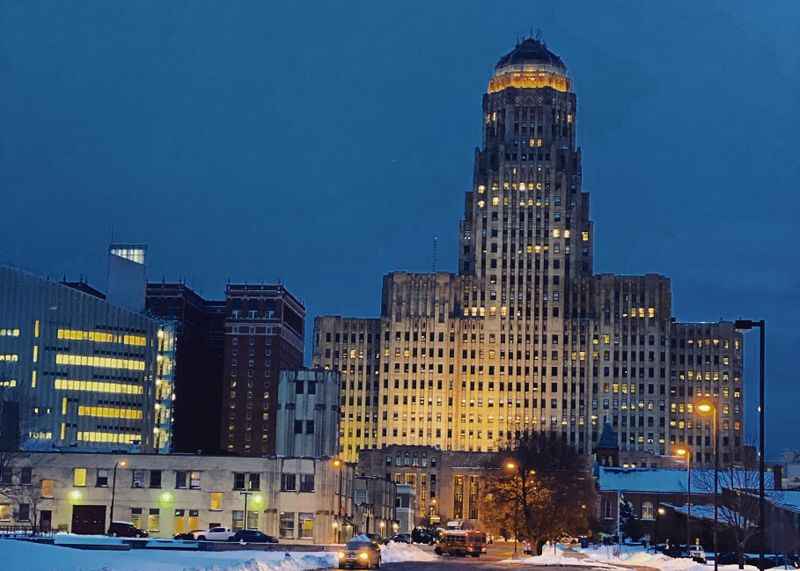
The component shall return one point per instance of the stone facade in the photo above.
(293, 499)
(308, 414)
(446, 485)
(525, 337)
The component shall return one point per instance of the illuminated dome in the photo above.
(530, 65)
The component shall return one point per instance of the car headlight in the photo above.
(340, 554)
(363, 555)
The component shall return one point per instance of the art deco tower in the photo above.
(525, 336)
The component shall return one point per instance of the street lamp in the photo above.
(337, 463)
(511, 466)
(688, 453)
(246, 495)
(746, 325)
(121, 463)
(709, 408)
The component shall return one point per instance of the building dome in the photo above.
(533, 52)
(530, 65)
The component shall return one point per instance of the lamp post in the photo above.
(122, 463)
(746, 325)
(511, 467)
(688, 453)
(246, 495)
(708, 408)
(337, 463)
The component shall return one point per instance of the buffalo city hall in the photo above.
(526, 336)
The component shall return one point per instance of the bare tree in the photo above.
(737, 510)
(16, 489)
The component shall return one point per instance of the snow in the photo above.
(789, 499)
(665, 480)
(73, 539)
(28, 556)
(401, 552)
(603, 557)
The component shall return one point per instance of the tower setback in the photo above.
(526, 336)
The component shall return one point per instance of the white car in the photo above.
(214, 534)
(697, 553)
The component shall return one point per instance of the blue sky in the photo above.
(326, 143)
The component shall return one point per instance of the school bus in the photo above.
(462, 543)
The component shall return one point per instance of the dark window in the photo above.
(180, 479)
(307, 482)
(288, 482)
(255, 481)
(102, 478)
(309, 427)
(24, 513)
(155, 478)
(238, 481)
(312, 388)
(298, 427)
(299, 388)
(25, 476)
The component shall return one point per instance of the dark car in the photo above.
(400, 538)
(360, 554)
(252, 536)
(422, 535)
(190, 535)
(125, 529)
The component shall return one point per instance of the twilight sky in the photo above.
(326, 143)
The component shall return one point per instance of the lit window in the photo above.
(79, 477)
(216, 501)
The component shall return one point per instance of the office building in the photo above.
(199, 352)
(307, 414)
(83, 373)
(293, 499)
(526, 336)
(264, 326)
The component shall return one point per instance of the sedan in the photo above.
(360, 554)
(252, 536)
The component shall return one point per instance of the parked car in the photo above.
(697, 553)
(125, 529)
(190, 535)
(360, 553)
(214, 534)
(400, 538)
(252, 536)
(423, 535)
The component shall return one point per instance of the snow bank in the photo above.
(27, 556)
(638, 556)
(559, 556)
(401, 552)
(73, 539)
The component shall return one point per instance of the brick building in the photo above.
(263, 334)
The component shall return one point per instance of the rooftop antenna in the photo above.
(539, 35)
(435, 243)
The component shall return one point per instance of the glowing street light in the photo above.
(706, 408)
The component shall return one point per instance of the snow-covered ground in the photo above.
(27, 556)
(603, 557)
(399, 552)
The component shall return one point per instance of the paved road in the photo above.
(470, 565)
(487, 562)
